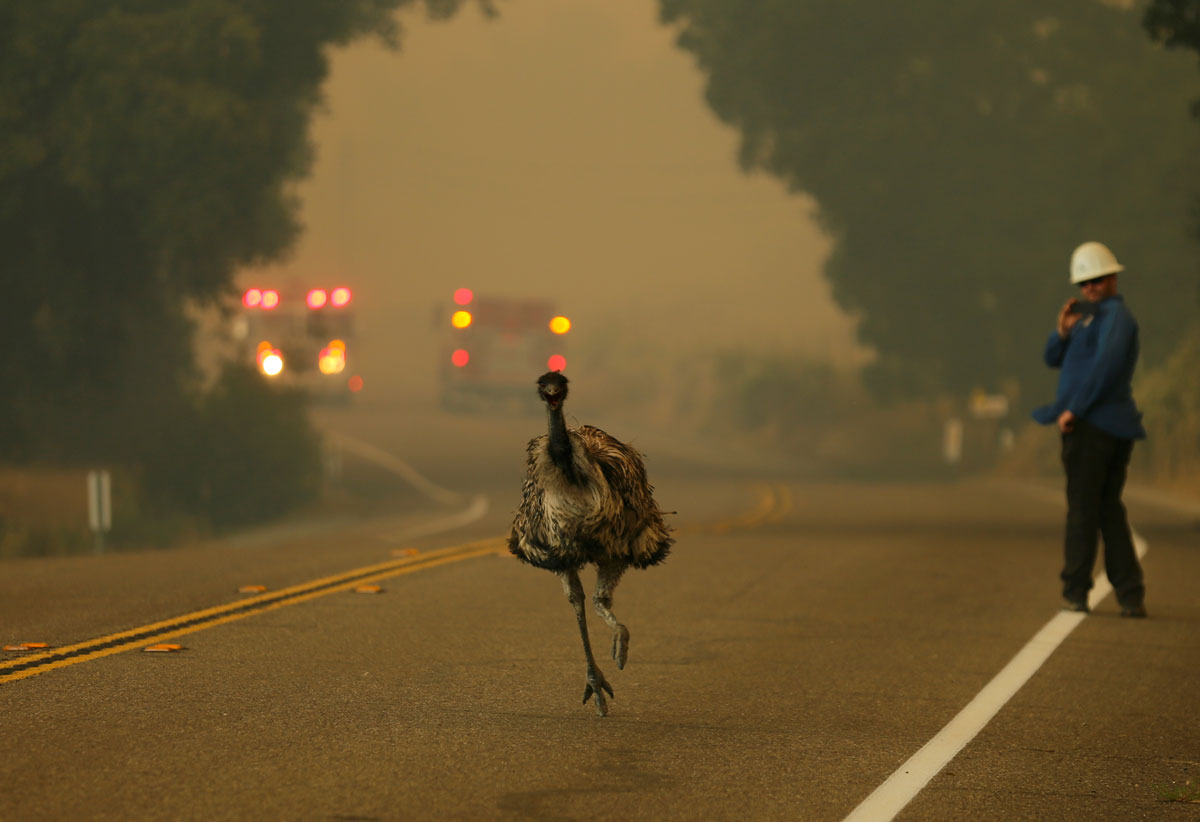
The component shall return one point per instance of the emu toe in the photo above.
(597, 684)
(620, 648)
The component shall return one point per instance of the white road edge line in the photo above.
(398, 467)
(477, 505)
(910, 778)
(474, 511)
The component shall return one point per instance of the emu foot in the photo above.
(597, 684)
(620, 647)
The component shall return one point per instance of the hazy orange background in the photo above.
(562, 150)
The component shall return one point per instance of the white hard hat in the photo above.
(1092, 260)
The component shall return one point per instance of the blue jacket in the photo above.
(1097, 360)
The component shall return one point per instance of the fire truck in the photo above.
(300, 336)
(494, 349)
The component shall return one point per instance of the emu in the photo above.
(586, 500)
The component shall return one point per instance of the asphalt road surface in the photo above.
(803, 642)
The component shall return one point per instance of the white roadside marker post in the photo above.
(99, 491)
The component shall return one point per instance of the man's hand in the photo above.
(1067, 318)
(1066, 422)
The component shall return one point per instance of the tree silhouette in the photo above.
(958, 153)
(147, 149)
(1176, 24)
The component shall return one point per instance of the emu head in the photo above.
(552, 388)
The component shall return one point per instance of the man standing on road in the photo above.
(1096, 347)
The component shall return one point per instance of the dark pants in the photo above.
(1096, 462)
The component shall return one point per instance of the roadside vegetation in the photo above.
(796, 410)
(1170, 398)
(148, 151)
(239, 453)
(1188, 792)
(955, 161)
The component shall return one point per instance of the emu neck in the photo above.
(560, 445)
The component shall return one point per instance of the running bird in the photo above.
(586, 501)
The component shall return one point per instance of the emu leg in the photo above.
(596, 683)
(607, 577)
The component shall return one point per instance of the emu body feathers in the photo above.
(607, 515)
(586, 500)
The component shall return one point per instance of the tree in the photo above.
(147, 148)
(1176, 24)
(957, 154)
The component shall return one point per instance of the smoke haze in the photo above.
(565, 151)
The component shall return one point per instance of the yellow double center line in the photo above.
(773, 502)
(33, 664)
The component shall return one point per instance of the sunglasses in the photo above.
(1096, 281)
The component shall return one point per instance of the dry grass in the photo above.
(44, 497)
(43, 511)
(1188, 792)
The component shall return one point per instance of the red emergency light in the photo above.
(317, 298)
(339, 297)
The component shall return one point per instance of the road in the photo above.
(804, 640)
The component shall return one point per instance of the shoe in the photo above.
(1075, 605)
(1134, 611)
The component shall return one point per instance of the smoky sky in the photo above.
(562, 151)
